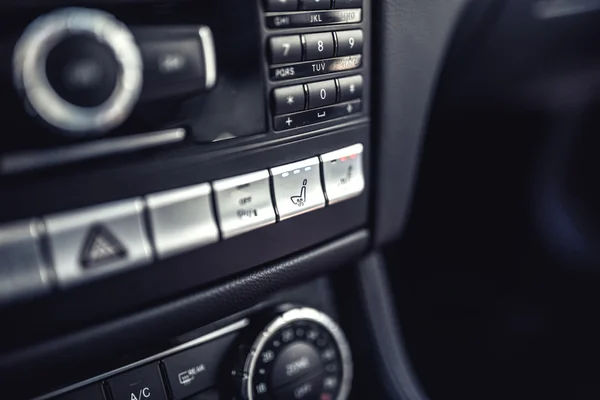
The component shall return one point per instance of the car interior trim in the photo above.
(36, 159)
(236, 326)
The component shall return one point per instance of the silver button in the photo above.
(97, 241)
(244, 203)
(297, 188)
(343, 173)
(22, 270)
(182, 219)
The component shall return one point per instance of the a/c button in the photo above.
(244, 203)
(144, 383)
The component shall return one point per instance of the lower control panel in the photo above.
(301, 354)
(69, 248)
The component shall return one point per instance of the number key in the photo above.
(318, 45)
(321, 93)
(349, 42)
(285, 49)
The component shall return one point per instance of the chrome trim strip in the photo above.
(210, 57)
(34, 159)
(203, 339)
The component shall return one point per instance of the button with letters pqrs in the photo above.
(285, 49)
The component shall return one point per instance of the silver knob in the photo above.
(31, 70)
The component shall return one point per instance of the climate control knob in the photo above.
(79, 69)
(301, 355)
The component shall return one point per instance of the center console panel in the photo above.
(155, 148)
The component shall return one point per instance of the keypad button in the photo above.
(348, 3)
(321, 93)
(182, 219)
(349, 42)
(285, 49)
(343, 173)
(196, 369)
(316, 4)
(297, 188)
(281, 5)
(22, 269)
(244, 203)
(141, 383)
(318, 45)
(289, 99)
(96, 241)
(350, 88)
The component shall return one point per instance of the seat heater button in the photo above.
(297, 188)
(343, 173)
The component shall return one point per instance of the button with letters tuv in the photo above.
(196, 369)
(297, 188)
(143, 383)
(96, 241)
(343, 173)
(244, 203)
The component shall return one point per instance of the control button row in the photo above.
(315, 46)
(316, 18)
(293, 98)
(102, 240)
(315, 68)
(188, 372)
(294, 5)
(303, 118)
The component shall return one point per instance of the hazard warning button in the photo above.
(101, 247)
(93, 242)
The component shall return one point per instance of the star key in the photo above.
(289, 99)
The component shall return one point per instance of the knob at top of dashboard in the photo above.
(80, 70)
(301, 354)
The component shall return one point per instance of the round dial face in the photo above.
(80, 70)
(302, 355)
